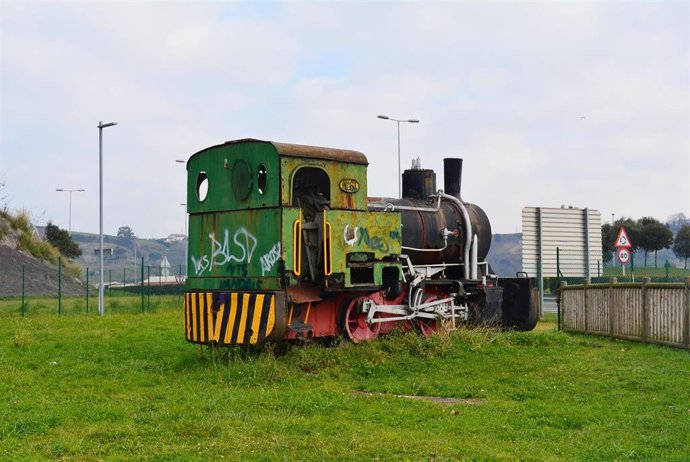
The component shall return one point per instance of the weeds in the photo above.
(23, 338)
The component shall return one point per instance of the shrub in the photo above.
(39, 249)
(21, 222)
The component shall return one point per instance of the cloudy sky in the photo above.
(576, 103)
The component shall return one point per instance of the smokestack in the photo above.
(452, 176)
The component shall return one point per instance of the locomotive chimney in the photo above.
(452, 176)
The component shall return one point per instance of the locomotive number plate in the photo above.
(349, 185)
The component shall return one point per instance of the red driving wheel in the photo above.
(356, 327)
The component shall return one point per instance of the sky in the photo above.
(548, 103)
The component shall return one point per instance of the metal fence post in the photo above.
(59, 285)
(632, 265)
(559, 318)
(87, 290)
(148, 287)
(110, 281)
(23, 284)
(142, 284)
(124, 280)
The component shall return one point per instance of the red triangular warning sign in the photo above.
(622, 241)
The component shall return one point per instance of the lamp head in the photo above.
(384, 117)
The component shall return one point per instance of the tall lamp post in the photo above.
(186, 243)
(70, 191)
(398, 121)
(101, 126)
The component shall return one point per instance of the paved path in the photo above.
(550, 304)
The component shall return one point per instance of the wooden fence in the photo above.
(646, 312)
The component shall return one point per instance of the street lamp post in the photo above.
(186, 243)
(411, 121)
(70, 191)
(613, 219)
(101, 126)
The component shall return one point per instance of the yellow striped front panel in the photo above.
(229, 318)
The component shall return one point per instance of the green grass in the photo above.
(128, 387)
(117, 303)
(641, 271)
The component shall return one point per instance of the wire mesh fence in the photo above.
(146, 288)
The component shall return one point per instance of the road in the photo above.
(550, 304)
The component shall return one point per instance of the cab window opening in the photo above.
(201, 186)
(261, 179)
(311, 190)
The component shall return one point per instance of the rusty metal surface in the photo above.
(422, 229)
(315, 152)
(294, 167)
(300, 150)
(304, 294)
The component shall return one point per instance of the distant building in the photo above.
(175, 238)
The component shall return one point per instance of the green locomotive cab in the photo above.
(273, 226)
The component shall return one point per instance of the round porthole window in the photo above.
(261, 179)
(201, 186)
(241, 180)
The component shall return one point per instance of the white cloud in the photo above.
(503, 85)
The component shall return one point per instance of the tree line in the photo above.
(647, 234)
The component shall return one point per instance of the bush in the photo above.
(61, 239)
(37, 248)
(21, 222)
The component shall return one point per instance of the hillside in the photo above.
(122, 260)
(41, 275)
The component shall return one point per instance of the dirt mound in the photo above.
(41, 278)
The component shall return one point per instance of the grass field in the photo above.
(647, 272)
(128, 387)
(117, 303)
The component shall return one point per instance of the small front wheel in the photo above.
(354, 322)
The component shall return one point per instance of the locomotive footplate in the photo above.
(234, 318)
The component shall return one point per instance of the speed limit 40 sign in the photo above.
(623, 256)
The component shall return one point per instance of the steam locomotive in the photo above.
(284, 244)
